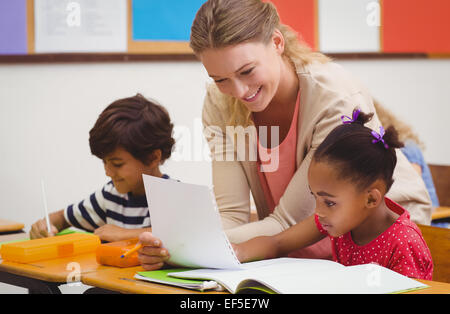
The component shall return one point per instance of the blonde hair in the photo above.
(405, 132)
(222, 23)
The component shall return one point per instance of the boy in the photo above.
(132, 136)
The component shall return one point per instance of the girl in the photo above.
(349, 176)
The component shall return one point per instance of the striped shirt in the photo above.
(108, 206)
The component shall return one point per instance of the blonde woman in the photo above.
(284, 99)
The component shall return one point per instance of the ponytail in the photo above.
(359, 153)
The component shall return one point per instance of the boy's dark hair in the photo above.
(136, 124)
(350, 147)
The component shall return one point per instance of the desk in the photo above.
(440, 213)
(122, 280)
(435, 288)
(46, 276)
(10, 226)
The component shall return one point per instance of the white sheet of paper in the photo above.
(63, 26)
(186, 219)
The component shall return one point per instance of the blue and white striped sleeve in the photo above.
(88, 214)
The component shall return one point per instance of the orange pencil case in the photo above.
(49, 248)
(110, 254)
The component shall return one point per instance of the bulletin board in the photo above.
(161, 34)
(419, 25)
(140, 30)
(371, 28)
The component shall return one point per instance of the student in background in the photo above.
(412, 149)
(349, 176)
(131, 136)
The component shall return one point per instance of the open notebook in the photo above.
(186, 219)
(294, 276)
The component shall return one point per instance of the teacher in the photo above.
(272, 103)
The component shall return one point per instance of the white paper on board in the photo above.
(80, 26)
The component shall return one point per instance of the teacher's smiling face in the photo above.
(249, 71)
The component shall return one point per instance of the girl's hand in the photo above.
(238, 252)
(152, 255)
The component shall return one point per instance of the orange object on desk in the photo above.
(110, 254)
(49, 248)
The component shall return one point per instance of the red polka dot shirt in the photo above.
(401, 247)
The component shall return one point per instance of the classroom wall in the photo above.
(47, 110)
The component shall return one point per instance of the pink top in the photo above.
(274, 183)
(278, 163)
(400, 248)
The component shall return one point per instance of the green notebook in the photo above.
(160, 276)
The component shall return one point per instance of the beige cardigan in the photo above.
(327, 92)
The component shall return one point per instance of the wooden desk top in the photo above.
(436, 287)
(441, 212)
(122, 280)
(54, 270)
(10, 226)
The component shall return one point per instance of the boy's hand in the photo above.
(152, 255)
(39, 230)
(112, 233)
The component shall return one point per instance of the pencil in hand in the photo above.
(47, 218)
(136, 248)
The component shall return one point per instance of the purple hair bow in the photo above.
(352, 119)
(379, 137)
